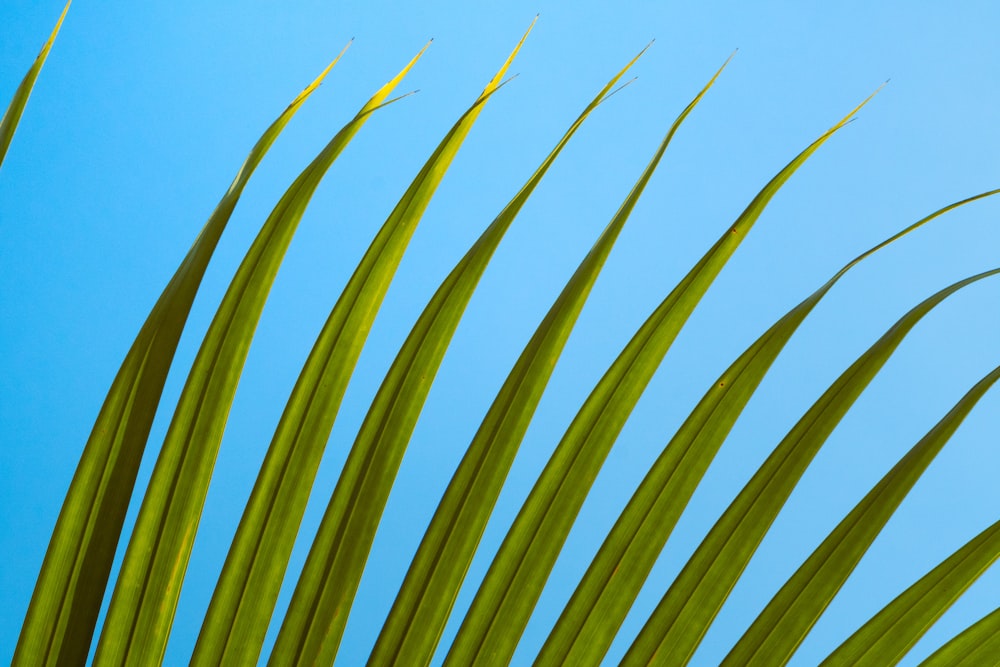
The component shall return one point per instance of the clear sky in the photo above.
(144, 112)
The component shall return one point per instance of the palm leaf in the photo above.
(682, 617)
(417, 618)
(145, 597)
(977, 646)
(11, 117)
(522, 565)
(64, 607)
(317, 614)
(591, 618)
(241, 607)
(886, 638)
(786, 620)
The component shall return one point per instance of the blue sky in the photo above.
(144, 112)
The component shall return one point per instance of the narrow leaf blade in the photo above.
(976, 646)
(418, 616)
(887, 637)
(684, 614)
(787, 619)
(519, 570)
(317, 614)
(63, 612)
(590, 621)
(12, 116)
(145, 597)
(241, 607)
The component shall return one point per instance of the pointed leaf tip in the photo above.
(621, 87)
(508, 80)
(311, 88)
(12, 115)
(63, 15)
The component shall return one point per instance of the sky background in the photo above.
(144, 112)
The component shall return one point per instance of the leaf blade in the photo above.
(591, 619)
(783, 624)
(682, 617)
(145, 597)
(12, 116)
(236, 621)
(317, 613)
(481, 637)
(973, 647)
(887, 637)
(434, 577)
(60, 621)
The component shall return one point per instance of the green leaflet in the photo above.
(886, 638)
(682, 617)
(417, 618)
(60, 621)
(317, 614)
(784, 623)
(591, 619)
(145, 597)
(500, 610)
(8, 124)
(977, 646)
(241, 607)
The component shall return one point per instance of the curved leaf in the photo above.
(520, 568)
(145, 598)
(590, 621)
(976, 646)
(11, 117)
(886, 638)
(784, 623)
(67, 597)
(682, 617)
(417, 618)
(241, 607)
(317, 614)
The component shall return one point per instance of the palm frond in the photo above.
(245, 611)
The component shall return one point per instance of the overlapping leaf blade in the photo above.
(416, 621)
(145, 597)
(317, 614)
(887, 637)
(590, 621)
(679, 622)
(519, 570)
(11, 117)
(784, 623)
(67, 598)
